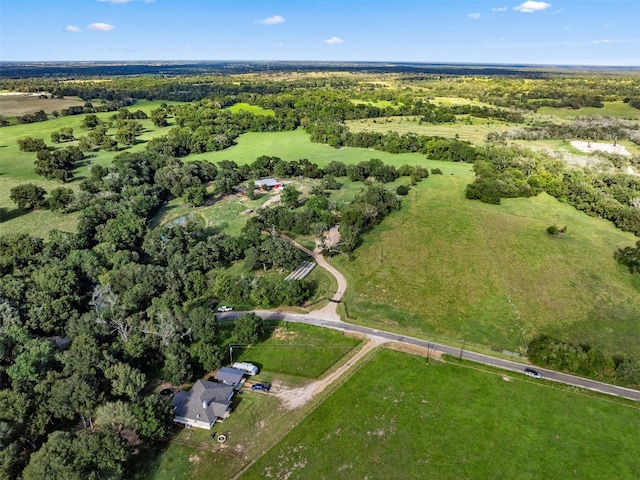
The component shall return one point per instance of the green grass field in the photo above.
(452, 268)
(296, 350)
(255, 109)
(475, 133)
(448, 421)
(610, 109)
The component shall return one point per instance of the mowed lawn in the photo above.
(400, 418)
(444, 266)
(296, 350)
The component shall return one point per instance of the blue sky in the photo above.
(488, 31)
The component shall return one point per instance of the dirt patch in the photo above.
(194, 459)
(506, 379)
(589, 147)
(283, 334)
(331, 237)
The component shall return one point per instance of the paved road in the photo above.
(328, 318)
(437, 347)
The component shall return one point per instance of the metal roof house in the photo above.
(268, 183)
(203, 405)
(231, 376)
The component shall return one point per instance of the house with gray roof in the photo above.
(268, 183)
(231, 376)
(203, 405)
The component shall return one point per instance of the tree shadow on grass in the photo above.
(6, 214)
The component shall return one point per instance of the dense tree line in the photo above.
(583, 360)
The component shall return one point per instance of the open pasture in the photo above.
(255, 109)
(610, 109)
(457, 269)
(400, 418)
(476, 132)
(296, 145)
(15, 104)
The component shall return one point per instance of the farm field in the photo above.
(293, 354)
(475, 133)
(12, 105)
(452, 268)
(610, 109)
(447, 421)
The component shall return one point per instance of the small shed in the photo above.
(231, 376)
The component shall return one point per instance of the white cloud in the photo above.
(530, 6)
(606, 40)
(101, 27)
(500, 9)
(333, 41)
(71, 29)
(276, 19)
(474, 16)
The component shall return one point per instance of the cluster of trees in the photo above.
(367, 210)
(583, 360)
(130, 299)
(39, 116)
(586, 128)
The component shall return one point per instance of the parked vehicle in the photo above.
(224, 308)
(530, 372)
(249, 368)
(261, 387)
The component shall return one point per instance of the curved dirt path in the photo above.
(317, 256)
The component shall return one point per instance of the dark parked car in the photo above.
(261, 387)
(530, 372)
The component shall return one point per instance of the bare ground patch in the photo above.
(589, 147)
(23, 103)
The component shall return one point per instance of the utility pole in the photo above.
(461, 348)
(428, 347)
(231, 354)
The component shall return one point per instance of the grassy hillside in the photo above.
(447, 421)
(461, 269)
